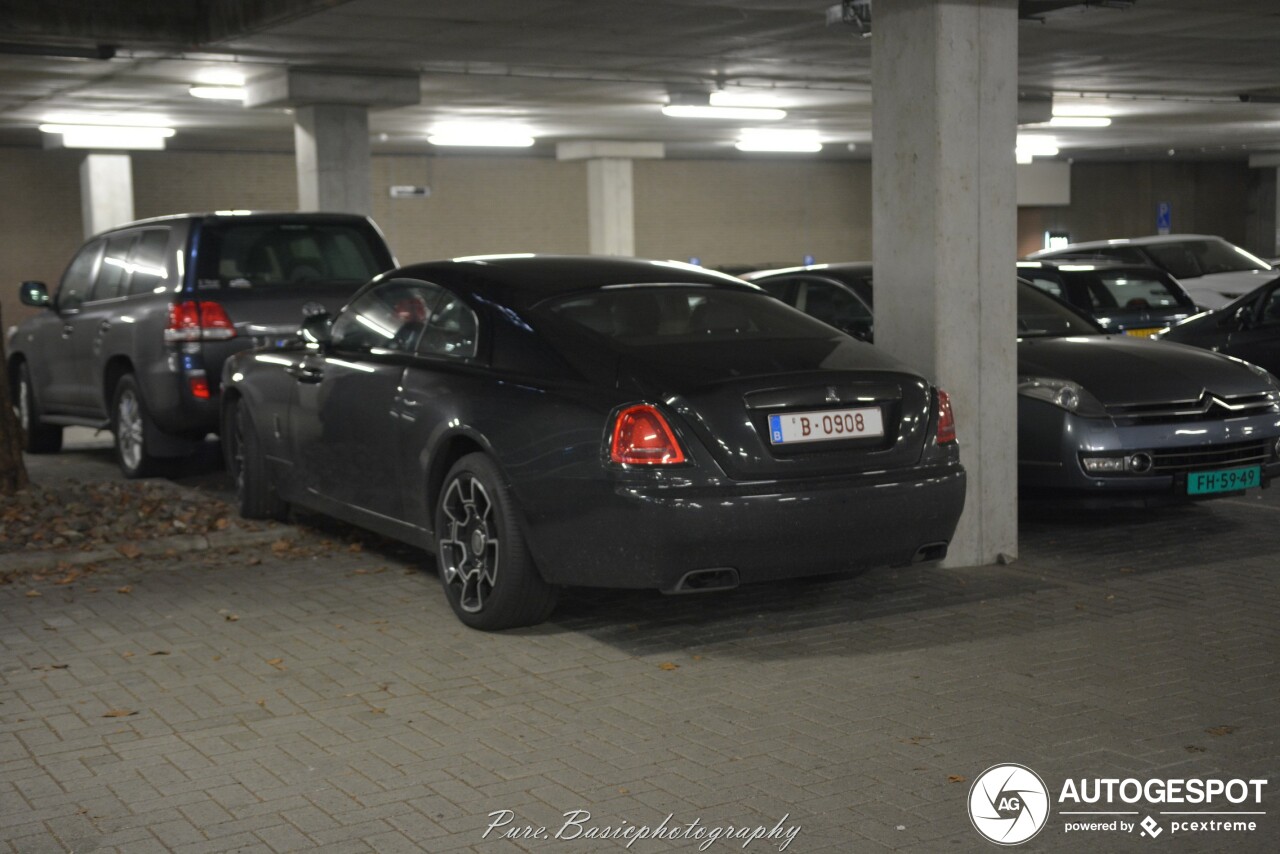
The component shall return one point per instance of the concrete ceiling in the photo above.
(1171, 71)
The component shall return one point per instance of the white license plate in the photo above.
(824, 425)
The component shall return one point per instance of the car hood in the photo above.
(1215, 290)
(1119, 369)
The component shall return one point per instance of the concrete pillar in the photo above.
(331, 128)
(332, 154)
(610, 191)
(944, 122)
(106, 191)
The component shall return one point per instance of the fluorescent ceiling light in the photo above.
(481, 135)
(1079, 121)
(220, 77)
(110, 136)
(1040, 146)
(132, 120)
(1021, 156)
(218, 93)
(738, 114)
(752, 139)
(743, 99)
(1081, 110)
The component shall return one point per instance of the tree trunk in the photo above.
(13, 471)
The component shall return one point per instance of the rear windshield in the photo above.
(1187, 259)
(1042, 316)
(262, 254)
(1111, 289)
(655, 316)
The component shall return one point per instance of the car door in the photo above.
(347, 412)
(94, 319)
(1255, 331)
(56, 374)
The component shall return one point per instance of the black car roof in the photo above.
(523, 280)
(242, 216)
(1066, 265)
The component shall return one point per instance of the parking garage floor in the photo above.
(320, 698)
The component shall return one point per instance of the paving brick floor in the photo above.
(335, 704)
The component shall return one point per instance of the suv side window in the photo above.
(148, 262)
(74, 288)
(113, 272)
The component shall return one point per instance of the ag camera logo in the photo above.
(1008, 804)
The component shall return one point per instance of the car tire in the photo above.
(256, 498)
(485, 567)
(130, 423)
(38, 437)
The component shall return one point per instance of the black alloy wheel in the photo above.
(488, 575)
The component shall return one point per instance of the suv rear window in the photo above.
(262, 254)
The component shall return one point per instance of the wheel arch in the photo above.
(448, 451)
(115, 368)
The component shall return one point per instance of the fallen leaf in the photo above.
(1221, 730)
(377, 710)
(277, 663)
(668, 665)
(159, 652)
(355, 547)
(126, 655)
(261, 702)
(125, 590)
(31, 594)
(955, 778)
(129, 550)
(281, 546)
(230, 618)
(118, 713)
(1192, 748)
(253, 561)
(222, 524)
(51, 667)
(217, 658)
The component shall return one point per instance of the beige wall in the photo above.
(758, 213)
(748, 213)
(1119, 200)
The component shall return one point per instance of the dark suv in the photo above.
(135, 336)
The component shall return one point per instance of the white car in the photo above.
(1213, 271)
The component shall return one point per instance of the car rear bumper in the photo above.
(639, 534)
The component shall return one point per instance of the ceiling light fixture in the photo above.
(218, 93)
(110, 136)
(480, 135)
(800, 141)
(1079, 122)
(1081, 110)
(737, 114)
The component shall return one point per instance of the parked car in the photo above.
(1126, 298)
(1119, 416)
(1213, 271)
(1248, 328)
(134, 338)
(543, 421)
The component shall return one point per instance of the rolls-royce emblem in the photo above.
(832, 395)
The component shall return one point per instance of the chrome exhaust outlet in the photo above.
(706, 581)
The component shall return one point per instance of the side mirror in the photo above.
(317, 329)
(34, 294)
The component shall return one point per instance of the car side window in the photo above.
(397, 315)
(147, 262)
(1269, 310)
(451, 330)
(74, 288)
(113, 273)
(833, 304)
(1049, 286)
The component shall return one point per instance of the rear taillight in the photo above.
(193, 320)
(641, 436)
(946, 420)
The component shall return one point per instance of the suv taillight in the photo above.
(641, 436)
(946, 420)
(190, 320)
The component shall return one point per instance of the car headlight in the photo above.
(1064, 394)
